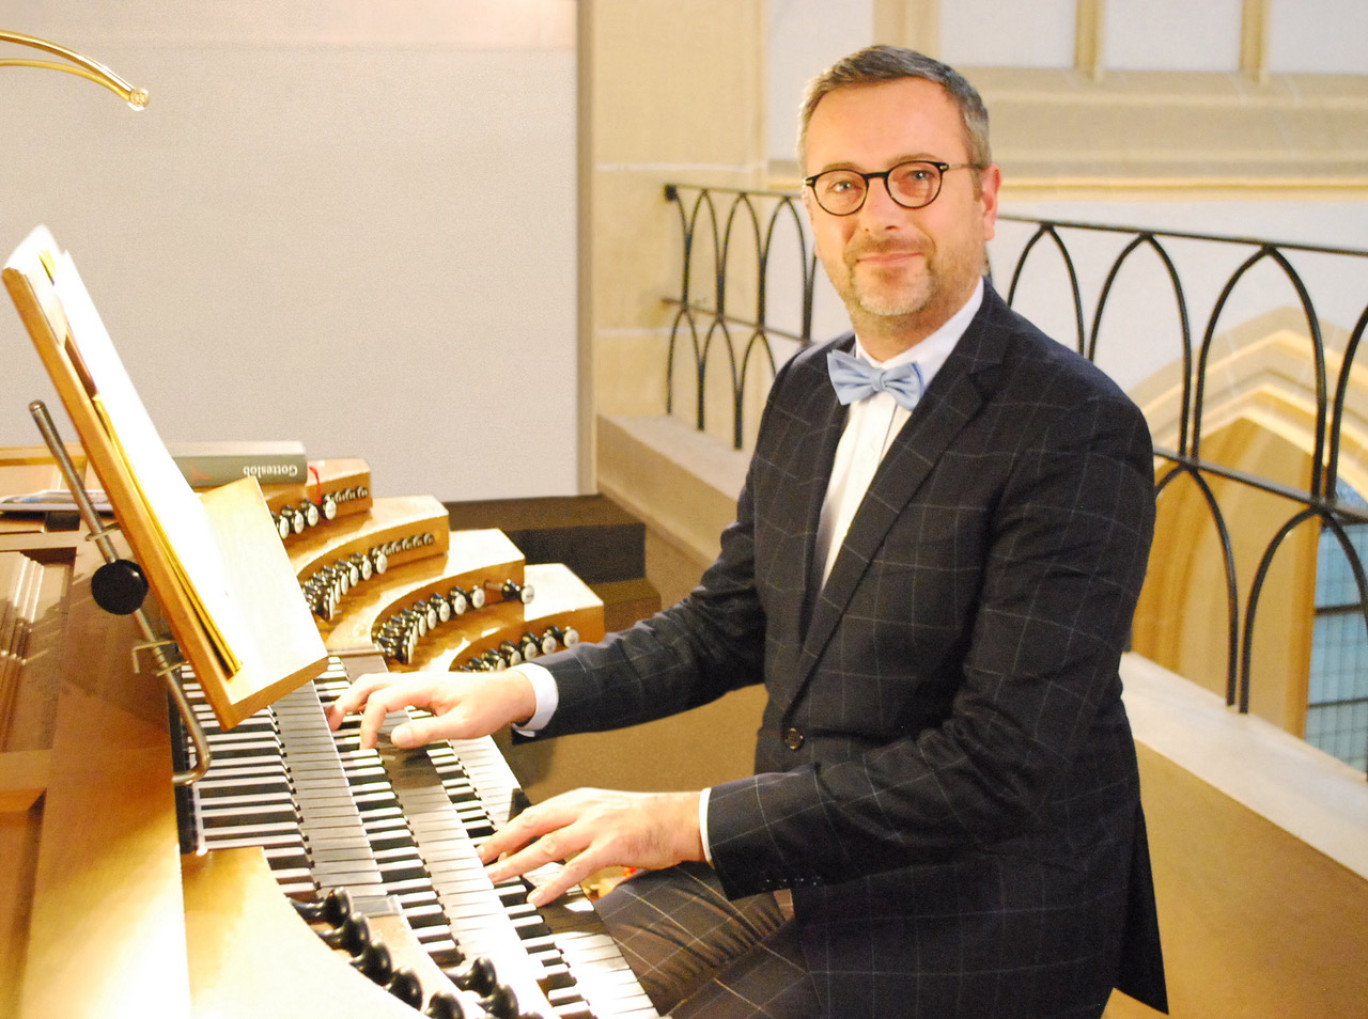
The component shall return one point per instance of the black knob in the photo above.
(501, 1002)
(375, 962)
(558, 636)
(352, 936)
(119, 587)
(406, 986)
(478, 976)
(512, 591)
(444, 1005)
(332, 909)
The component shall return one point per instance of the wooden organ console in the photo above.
(300, 875)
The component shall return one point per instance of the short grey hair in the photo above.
(890, 63)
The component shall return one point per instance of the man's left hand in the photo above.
(591, 829)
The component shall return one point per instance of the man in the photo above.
(935, 585)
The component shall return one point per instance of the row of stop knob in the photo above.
(308, 513)
(325, 588)
(347, 930)
(399, 634)
(527, 647)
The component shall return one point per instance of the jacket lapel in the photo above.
(818, 421)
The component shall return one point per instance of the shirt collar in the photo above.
(933, 351)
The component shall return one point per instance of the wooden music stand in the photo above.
(215, 561)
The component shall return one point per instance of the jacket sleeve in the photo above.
(711, 642)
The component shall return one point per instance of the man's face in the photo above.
(901, 272)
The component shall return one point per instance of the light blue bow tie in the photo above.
(854, 379)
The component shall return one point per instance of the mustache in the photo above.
(857, 249)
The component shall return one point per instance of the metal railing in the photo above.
(737, 243)
(710, 318)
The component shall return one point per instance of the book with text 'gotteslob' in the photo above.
(210, 464)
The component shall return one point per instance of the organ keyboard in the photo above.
(403, 826)
(89, 818)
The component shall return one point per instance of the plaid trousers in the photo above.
(698, 954)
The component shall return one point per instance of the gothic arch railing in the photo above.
(763, 215)
(767, 215)
(1316, 502)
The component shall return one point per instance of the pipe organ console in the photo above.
(301, 874)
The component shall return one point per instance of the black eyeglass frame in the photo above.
(941, 168)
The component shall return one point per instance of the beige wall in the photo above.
(670, 90)
(1260, 852)
(1183, 618)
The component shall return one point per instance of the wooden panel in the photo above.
(19, 832)
(107, 933)
(285, 650)
(33, 585)
(251, 955)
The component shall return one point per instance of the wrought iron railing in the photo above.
(712, 312)
(737, 245)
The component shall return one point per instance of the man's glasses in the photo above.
(912, 185)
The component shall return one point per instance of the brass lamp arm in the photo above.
(80, 66)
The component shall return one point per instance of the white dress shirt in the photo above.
(871, 425)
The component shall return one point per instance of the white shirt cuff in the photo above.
(547, 694)
(703, 824)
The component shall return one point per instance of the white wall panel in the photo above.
(806, 36)
(1172, 35)
(1318, 37)
(349, 224)
(1008, 33)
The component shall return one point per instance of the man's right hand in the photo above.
(464, 705)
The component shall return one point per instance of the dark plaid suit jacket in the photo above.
(945, 775)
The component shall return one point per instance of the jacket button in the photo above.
(793, 739)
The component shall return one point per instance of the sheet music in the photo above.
(179, 519)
